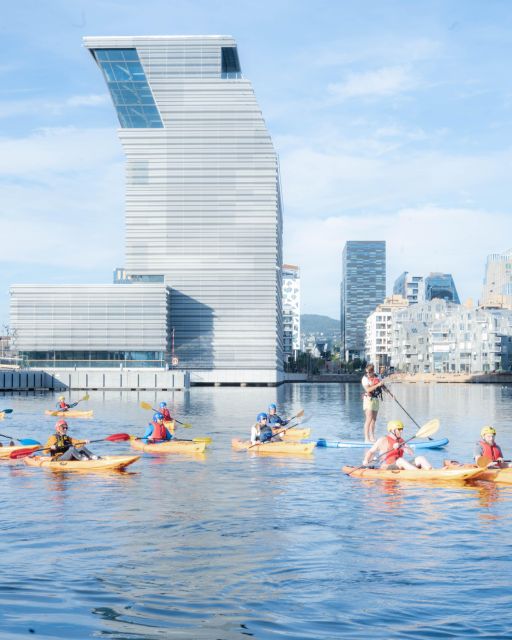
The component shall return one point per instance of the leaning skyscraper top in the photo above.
(203, 203)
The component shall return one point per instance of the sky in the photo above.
(392, 121)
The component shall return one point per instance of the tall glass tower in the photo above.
(203, 202)
(363, 287)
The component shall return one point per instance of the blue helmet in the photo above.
(272, 406)
(163, 404)
(261, 416)
(158, 416)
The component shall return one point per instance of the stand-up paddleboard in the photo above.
(355, 444)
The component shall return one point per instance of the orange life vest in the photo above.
(159, 431)
(392, 456)
(493, 452)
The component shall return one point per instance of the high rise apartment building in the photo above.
(363, 287)
(379, 331)
(291, 310)
(203, 202)
(412, 288)
(497, 289)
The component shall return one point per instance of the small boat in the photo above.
(293, 433)
(70, 413)
(500, 476)
(6, 451)
(359, 444)
(273, 447)
(169, 446)
(107, 463)
(444, 474)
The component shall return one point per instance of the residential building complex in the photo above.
(363, 287)
(291, 311)
(441, 336)
(379, 331)
(412, 288)
(497, 289)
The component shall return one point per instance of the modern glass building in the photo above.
(497, 289)
(203, 201)
(442, 287)
(363, 287)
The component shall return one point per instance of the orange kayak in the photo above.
(273, 447)
(6, 451)
(107, 463)
(444, 474)
(170, 446)
(500, 476)
(293, 433)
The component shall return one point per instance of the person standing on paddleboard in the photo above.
(371, 400)
(488, 448)
(389, 451)
(63, 447)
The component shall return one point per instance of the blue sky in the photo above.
(392, 120)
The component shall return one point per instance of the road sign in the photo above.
(174, 361)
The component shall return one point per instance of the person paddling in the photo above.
(157, 431)
(488, 448)
(390, 449)
(261, 431)
(371, 399)
(62, 447)
(273, 419)
(62, 405)
(165, 412)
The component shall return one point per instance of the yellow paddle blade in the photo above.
(146, 405)
(483, 461)
(86, 397)
(428, 428)
(186, 425)
(206, 439)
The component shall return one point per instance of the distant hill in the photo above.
(315, 324)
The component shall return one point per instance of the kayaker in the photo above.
(157, 431)
(62, 405)
(389, 451)
(62, 447)
(260, 430)
(165, 412)
(273, 419)
(487, 447)
(372, 395)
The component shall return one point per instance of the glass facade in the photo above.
(129, 88)
(230, 64)
(442, 287)
(94, 358)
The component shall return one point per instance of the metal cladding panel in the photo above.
(203, 204)
(131, 317)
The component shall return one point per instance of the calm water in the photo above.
(234, 546)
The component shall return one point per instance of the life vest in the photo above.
(493, 452)
(166, 414)
(275, 420)
(62, 405)
(265, 434)
(393, 454)
(62, 443)
(159, 431)
(376, 393)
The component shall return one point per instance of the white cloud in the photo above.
(38, 106)
(386, 81)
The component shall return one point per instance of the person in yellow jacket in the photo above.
(62, 447)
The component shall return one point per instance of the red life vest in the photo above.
(394, 454)
(493, 452)
(159, 431)
(63, 405)
(166, 414)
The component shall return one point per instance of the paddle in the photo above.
(86, 397)
(274, 435)
(206, 439)
(403, 408)
(297, 415)
(147, 406)
(25, 441)
(115, 437)
(6, 410)
(428, 429)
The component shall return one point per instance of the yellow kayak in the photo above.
(273, 447)
(293, 433)
(6, 451)
(2, 415)
(107, 463)
(501, 476)
(444, 474)
(70, 413)
(170, 446)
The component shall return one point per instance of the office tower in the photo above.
(291, 310)
(203, 202)
(441, 286)
(497, 289)
(412, 288)
(363, 287)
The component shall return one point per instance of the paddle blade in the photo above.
(21, 453)
(205, 439)
(300, 414)
(483, 462)
(428, 429)
(28, 441)
(6, 410)
(117, 437)
(186, 425)
(146, 405)
(86, 397)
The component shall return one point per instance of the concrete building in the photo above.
(203, 200)
(102, 325)
(412, 288)
(441, 336)
(363, 287)
(497, 288)
(379, 331)
(291, 311)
